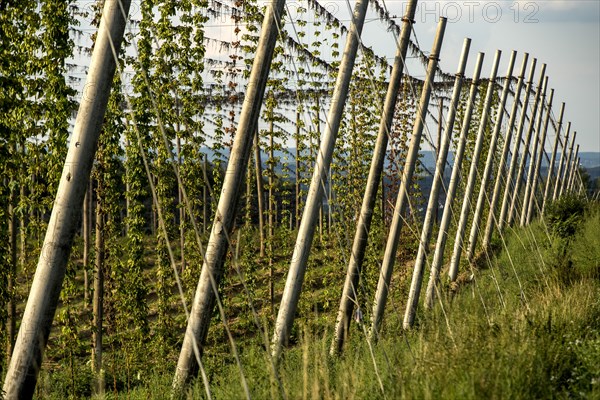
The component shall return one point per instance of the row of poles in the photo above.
(43, 298)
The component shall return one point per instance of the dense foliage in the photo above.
(157, 177)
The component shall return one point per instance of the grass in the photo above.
(540, 339)
(523, 324)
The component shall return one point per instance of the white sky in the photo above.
(563, 34)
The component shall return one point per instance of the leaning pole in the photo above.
(515, 156)
(366, 212)
(41, 305)
(552, 159)
(567, 166)
(432, 204)
(295, 277)
(536, 158)
(212, 268)
(526, 145)
(532, 157)
(451, 191)
(501, 170)
(489, 162)
(472, 179)
(391, 246)
(574, 164)
(561, 163)
(532, 201)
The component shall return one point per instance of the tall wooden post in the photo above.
(451, 192)
(532, 196)
(553, 159)
(487, 173)
(432, 205)
(224, 220)
(515, 153)
(391, 247)
(370, 196)
(466, 205)
(533, 156)
(33, 334)
(314, 199)
(523, 162)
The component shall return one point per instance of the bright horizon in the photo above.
(563, 34)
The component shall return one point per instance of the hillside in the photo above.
(524, 323)
(160, 238)
(589, 160)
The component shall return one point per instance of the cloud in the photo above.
(583, 11)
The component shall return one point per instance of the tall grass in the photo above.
(525, 325)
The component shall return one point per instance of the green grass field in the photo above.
(523, 323)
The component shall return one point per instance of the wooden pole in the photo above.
(521, 170)
(487, 173)
(363, 226)
(41, 305)
(451, 192)
(391, 247)
(224, 220)
(553, 158)
(529, 201)
(466, 205)
(314, 198)
(432, 205)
